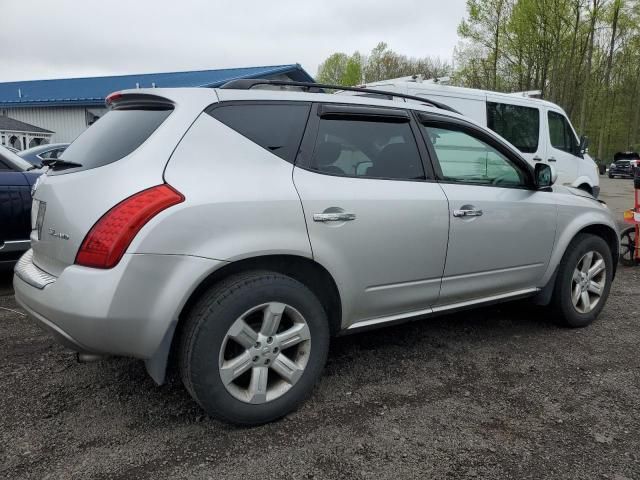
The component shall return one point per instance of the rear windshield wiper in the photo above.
(58, 164)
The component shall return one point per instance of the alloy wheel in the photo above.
(588, 282)
(264, 353)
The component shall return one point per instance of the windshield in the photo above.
(13, 160)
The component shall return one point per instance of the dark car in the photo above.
(36, 155)
(17, 176)
(624, 164)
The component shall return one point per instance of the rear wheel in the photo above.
(583, 281)
(253, 347)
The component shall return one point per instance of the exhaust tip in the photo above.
(83, 357)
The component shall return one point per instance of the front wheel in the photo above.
(253, 347)
(583, 281)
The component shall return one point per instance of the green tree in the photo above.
(341, 69)
(381, 64)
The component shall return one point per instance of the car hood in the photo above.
(576, 191)
(573, 191)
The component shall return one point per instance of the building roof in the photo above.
(91, 91)
(13, 125)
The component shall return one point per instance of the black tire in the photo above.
(208, 323)
(564, 311)
(627, 246)
(610, 176)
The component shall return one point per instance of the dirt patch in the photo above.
(493, 393)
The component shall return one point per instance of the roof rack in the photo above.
(249, 83)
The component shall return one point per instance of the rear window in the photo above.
(275, 127)
(519, 125)
(112, 137)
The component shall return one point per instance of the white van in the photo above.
(539, 129)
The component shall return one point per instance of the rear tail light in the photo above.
(110, 237)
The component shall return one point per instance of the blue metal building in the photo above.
(68, 106)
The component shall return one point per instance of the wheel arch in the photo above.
(609, 235)
(307, 271)
(586, 187)
(606, 232)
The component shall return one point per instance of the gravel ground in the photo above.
(493, 393)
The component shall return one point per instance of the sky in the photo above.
(76, 38)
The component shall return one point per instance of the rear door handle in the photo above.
(334, 217)
(552, 159)
(537, 159)
(467, 212)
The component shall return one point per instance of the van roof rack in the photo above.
(249, 83)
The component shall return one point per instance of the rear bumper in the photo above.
(126, 310)
(621, 173)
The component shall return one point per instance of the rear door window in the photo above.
(517, 124)
(276, 127)
(112, 137)
(359, 147)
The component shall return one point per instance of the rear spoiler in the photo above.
(137, 101)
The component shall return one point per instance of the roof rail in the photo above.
(249, 83)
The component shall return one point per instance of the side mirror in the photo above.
(584, 145)
(545, 176)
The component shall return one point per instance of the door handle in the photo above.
(552, 159)
(334, 217)
(467, 212)
(537, 159)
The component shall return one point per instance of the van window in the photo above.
(277, 127)
(517, 124)
(561, 134)
(368, 149)
(464, 158)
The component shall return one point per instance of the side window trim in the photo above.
(364, 113)
(310, 136)
(439, 121)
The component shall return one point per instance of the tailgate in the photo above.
(122, 154)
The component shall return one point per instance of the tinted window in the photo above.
(519, 125)
(466, 159)
(275, 127)
(114, 136)
(560, 132)
(367, 149)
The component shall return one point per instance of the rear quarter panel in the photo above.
(77, 200)
(240, 200)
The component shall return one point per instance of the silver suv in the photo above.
(240, 228)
